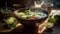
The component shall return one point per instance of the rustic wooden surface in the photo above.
(41, 30)
(9, 30)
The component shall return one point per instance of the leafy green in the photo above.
(7, 11)
(27, 12)
(11, 22)
(49, 25)
(20, 14)
(51, 21)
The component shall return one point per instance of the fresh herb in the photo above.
(27, 12)
(11, 22)
(49, 25)
(7, 11)
(51, 22)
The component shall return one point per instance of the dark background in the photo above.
(24, 3)
(11, 2)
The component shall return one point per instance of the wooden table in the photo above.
(10, 30)
(53, 12)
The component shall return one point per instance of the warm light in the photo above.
(38, 5)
